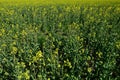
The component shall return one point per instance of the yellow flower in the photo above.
(49, 59)
(67, 63)
(53, 45)
(21, 51)
(26, 75)
(88, 58)
(56, 51)
(11, 12)
(89, 69)
(78, 38)
(66, 75)
(9, 32)
(39, 54)
(19, 77)
(118, 44)
(14, 50)
(15, 36)
(99, 54)
(3, 31)
(60, 25)
(43, 63)
(68, 9)
(23, 64)
(30, 51)
(14, 43)
(6, 73)
(59, 65)
(39, 76)
(101, 62)
(60, 42)
(82, 50)
(24, 33)
(87, 63)
(29, 63)
(34, 59)
(48, 79)
(0, 34)
(3, 45)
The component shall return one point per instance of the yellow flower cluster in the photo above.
(118, 44)
(25, 75)
(23, 33)
(89, 69)
(14, 50)
(39, 56)
(67, 63)
(99, 54)
(2, 31)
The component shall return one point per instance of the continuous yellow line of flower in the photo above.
(54, 2)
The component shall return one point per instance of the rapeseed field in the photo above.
(59, 40)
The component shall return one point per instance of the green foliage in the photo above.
(64, 42)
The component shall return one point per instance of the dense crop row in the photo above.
(60, 42)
